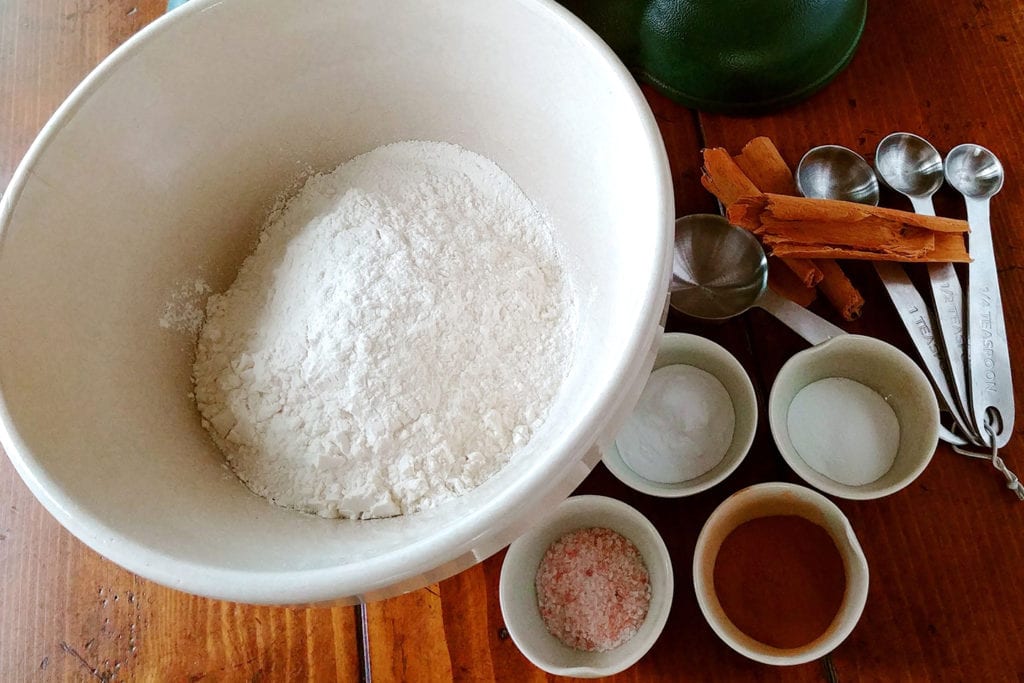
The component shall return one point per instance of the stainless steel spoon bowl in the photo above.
(836, 172)
(910, 165)
(720, 271)
(974, 171)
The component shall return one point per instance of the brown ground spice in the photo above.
(780, 580)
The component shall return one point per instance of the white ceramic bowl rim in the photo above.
(325, 584)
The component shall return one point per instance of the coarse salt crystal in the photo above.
(593, 589)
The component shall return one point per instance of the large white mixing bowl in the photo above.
(160, 168)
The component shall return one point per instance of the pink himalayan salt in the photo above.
(593, 589)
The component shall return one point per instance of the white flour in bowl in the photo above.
(398, 334)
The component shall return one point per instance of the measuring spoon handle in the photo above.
(988, 351)
(948, 300)
(810, 326)
(913, 313)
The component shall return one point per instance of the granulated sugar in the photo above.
(844, 430)
(399, 333)
(593, 589)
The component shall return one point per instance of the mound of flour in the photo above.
(398, 334)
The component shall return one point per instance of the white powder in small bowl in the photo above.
(844, 430)
(681, 428)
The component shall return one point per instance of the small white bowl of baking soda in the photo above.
(693, 425)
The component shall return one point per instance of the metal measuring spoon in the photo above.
(720, 271)
(910, 165)
(835, 172)
(977, 174)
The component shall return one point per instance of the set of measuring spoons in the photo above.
(961, 339)
(720, 271)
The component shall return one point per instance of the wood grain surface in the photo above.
(946, 554)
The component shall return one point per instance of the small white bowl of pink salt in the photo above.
(587, 592)
(694, 422)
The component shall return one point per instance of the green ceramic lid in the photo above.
(733, 56)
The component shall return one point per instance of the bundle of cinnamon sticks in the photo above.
(804, 236)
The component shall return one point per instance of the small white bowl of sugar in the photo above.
(694, 422)
(854, 417)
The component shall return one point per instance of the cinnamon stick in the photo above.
(761, 161)
(783, 281)
(878, 242)
(802, 269)
(807, 210)
(943, 253)
(825, 228)
(724, 178)
(951, 249)
(838, 289)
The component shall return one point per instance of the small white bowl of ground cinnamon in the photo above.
(587, 592)
(779, 574)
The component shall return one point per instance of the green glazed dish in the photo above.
(730, 56)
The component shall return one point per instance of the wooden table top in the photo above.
(946, 554)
